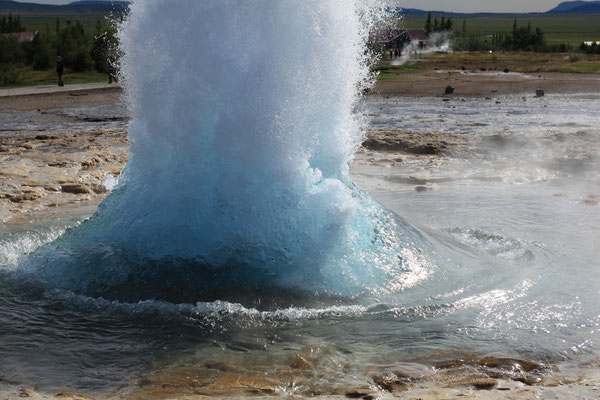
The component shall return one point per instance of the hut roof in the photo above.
(21, 36)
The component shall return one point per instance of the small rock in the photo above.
(356, 395)
(74, 396)
(590, 201)
(75, 188)
(390, 383)
(529, 380)
(44, 137)
(99, 189)
(26, 196)
(297, 361)
(484, 384)
(421, 188)
(60, 164)
(114, 169)
(27, 393)
(90, 163)
(31, 183)
(51, 188)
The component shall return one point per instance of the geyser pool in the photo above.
(241, 135)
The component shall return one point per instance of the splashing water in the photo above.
(238, 178)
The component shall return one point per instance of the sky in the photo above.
(442, 5)
(470, 6)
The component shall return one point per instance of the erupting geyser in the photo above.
(238, 178)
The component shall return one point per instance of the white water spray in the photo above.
(241, 136)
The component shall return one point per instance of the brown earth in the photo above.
(64, 99)
(483, 74)
(487, 83)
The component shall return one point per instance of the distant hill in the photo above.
(567, 7)
(99, 5)
(8, 5)
(577, 7)
(86, 5)
(412, 11)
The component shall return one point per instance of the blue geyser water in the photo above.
(241, 135)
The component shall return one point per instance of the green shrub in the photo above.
(8, 75)
(74, 47)
(11, 51)
(39, 53)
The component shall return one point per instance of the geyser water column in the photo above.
(241, 127)
(241, 136)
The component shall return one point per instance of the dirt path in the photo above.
(48, 97)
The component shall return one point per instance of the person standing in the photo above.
(60, 68)
(111, 69)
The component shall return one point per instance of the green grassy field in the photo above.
(474, 61)
(42, 21)
(572, 29)
(581, 68)
(30, 77)
(397, 72)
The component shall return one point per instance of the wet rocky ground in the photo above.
(418, 143)
(310, 373)
(61, 161)
(51, 171)
(59, 152)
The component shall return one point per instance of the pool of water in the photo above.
(512, 229)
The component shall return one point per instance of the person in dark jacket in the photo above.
(112, 68)
(60, 68)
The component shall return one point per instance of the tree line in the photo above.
(520, 38)
(593, 48)
(445, 25)
(10, 24)
(80, 49)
